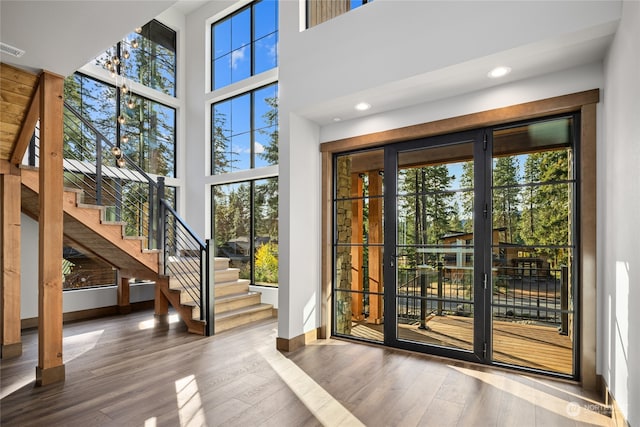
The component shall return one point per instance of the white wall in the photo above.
(390, 40)
(28, 268)
(619, 228)
(332, 60)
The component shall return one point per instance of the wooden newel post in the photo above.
(50, 368)
(10, 256)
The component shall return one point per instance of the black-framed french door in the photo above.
(477, 257)
(432, 261)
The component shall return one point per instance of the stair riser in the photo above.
(221, 263)
(233, 322)
(230, 289)
(247, 301)
(230, 275)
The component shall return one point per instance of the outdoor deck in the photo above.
(532, 346)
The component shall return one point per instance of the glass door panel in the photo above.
(358, 245)
(434, 250)
(533, 187)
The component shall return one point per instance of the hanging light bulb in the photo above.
(134, 43)
(121, 119)
(124, 89)
(130, 103)
(138, 30)
(125, 54)
(124, 139)
(120, 162)
(116, 151)
(115, 59)
(108, 64)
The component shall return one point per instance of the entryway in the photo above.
(463, 245)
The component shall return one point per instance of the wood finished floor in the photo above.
(533, 346)
(122, 371)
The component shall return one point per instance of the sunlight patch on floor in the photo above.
(151, 422)
(76, 345)
(320, 403)
(150, 324)
(190, 408)
(571, 408)
(73, 346)
(7, 389)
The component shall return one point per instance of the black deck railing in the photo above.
(519, 294)
(137, 199)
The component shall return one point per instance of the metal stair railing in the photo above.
(138, 199)
(188, 261)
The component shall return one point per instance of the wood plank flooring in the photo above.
(532, 346)
(123, 371)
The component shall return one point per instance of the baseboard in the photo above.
(292, 344)
(92, 313)
(616, 414)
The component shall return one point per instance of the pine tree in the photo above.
(505, 196)
(467, 183)
(270, 153)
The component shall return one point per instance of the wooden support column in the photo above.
(588, 248)
(124, 295)
(357, 253)
(375, 251)
(50, 368)
(10, 256)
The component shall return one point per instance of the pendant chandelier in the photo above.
(116, 64)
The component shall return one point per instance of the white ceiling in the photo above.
(528, 61)
(62, 36)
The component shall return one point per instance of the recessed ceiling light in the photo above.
(337, 119)
(362, 106)
(499, 72)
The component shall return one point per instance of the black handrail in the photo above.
(192, 233)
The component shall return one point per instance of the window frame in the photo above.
(253, 184)
(252, 131)
(252, 43)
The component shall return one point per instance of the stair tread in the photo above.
(233, 282)
(238, 296)
(121, 223)
(89, 206)
(244, 310)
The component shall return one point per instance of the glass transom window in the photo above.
(245, 43)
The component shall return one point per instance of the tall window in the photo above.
(149, 126)
(244, 137)
(246, 228)
(245, 43)
(95, 101)
(244, 131)
(149, 57)
(143, 128)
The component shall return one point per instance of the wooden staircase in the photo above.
(86, 229)
(235, 304)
